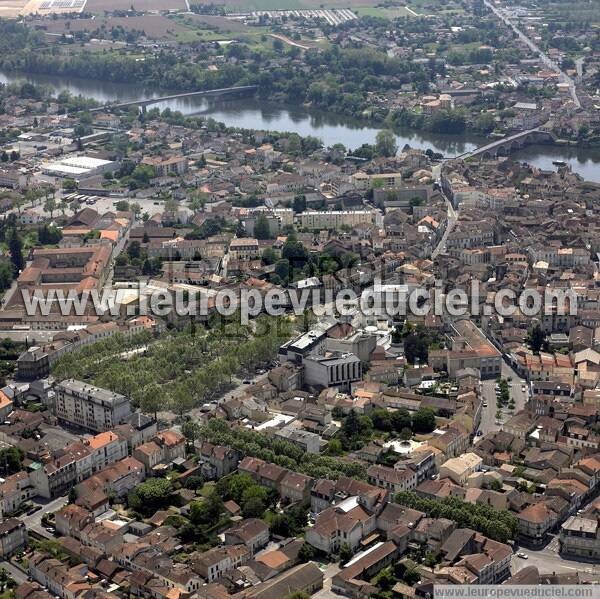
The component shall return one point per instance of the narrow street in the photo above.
(452, 218)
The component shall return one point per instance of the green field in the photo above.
(388, 13)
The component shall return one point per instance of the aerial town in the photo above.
(298, 302)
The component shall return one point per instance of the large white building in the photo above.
(78, 167)
(89, 407)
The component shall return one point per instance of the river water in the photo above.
(249, 113)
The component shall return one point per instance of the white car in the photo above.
(485, 404)
(522, 555)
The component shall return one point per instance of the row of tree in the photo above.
(499, 525)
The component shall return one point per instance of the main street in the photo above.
(548, 62)
(452, 214)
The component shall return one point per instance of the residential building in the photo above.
(90, 408)
(13, 536)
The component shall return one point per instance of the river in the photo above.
(249, 113)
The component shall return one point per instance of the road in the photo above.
(288, 41)
(452, 215)
(549, 63)
(548, 560)
(34, 521)
(15, 573)
(579, 66)
(452, 218)
(488, 416)
(328, 573)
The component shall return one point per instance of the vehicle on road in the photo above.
(478, 433)
(522, 555)
(247, 382)
(485, 405)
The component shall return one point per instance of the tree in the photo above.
(72, 495)
(133, 251)
(151, 495)
(10, 460)
(536, 338)
(415, 348)
(69, 184)
(254, 501)
(334, 447)
(6, 275)
(345, 553)
(351, 426)
(122, 206)
(152, 399)
(382, 419)
(254, 507)
(269, 256)
(401, 419)
(282, 269)
(385, 143)
(191, 431)
(15, 249)
(423, 420)
(50, 206)
(306, 553)
(299, 203)
(261, 228)
(194, 482)
(182, 399)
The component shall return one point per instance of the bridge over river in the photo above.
(148, 101)
(506, 145)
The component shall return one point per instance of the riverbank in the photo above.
(251, 113)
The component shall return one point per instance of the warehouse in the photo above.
(78, 167)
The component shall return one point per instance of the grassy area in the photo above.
(388, 13)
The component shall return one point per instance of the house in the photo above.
(392, 479)
(353, 579)
(14, 491)
(223, 460)
(579, 537)
(487, 560)
(163, 449)
(295, 487)
(251, 532)
(459, 469)
(60, 579)
(214, 563)
(536, 521)
(346, 523)
(72, 519)
(13, 536)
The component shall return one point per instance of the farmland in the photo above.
(250, 5)
(99, 6)
(153, 26)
